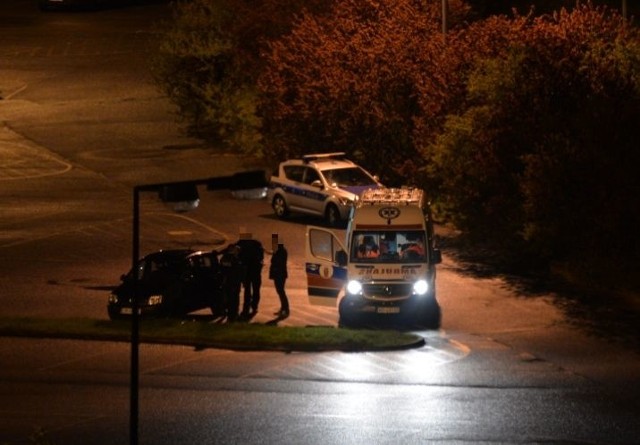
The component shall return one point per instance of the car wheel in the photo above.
(346, 318)
(429, 315)
(280, 206)
(217, 306)
(114, 312)
(173, 303)
(332, 215)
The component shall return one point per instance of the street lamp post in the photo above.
(135, 326)
(183, 196)
(445, 14)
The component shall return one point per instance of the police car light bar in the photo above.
(316, 156)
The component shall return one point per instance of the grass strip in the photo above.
(236, 336)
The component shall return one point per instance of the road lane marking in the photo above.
(369, 366)
(20, 161)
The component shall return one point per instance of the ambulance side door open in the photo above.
(325, 266)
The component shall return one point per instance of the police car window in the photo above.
(294, 172)
(347, 176)
(310, 176)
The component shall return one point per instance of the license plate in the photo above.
(389, 310)
(129, 311)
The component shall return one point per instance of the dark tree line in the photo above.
(521, 124)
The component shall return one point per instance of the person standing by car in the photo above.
(278, 273)
(232, 276)
(252, 257)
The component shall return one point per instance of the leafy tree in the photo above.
(347, 81)
(209, 58)
(594, 160)
(523, 127)
(486, 8)
(542, 151)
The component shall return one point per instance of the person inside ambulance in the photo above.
(367, 248)
(413, 250)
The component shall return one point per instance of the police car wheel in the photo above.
(279, 206)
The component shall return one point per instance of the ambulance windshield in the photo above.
(388, 246)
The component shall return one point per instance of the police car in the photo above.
(324, 184)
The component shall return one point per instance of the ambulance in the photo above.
(384, 267)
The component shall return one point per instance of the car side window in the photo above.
(195, 263)
(156, 266)
(155, 269)
(294, 173)
(310, 176)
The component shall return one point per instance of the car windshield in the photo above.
(347, 177)
(388, 246)
(149, 268)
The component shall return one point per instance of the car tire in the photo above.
(217, 306)
(332, 215)
(429, 314)
(115, 312)
(346, 318)
(279, 206)
(173, 304)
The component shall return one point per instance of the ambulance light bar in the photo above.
(396, 196)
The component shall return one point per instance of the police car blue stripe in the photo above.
(302, 192)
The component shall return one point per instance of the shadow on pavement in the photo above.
(599, 313)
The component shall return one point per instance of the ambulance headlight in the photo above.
(420, 287)
(354, 287)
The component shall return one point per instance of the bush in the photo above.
(523, 129)
(209, 58)
(347, 82)
(542, 151)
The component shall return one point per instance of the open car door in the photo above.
(325, 267)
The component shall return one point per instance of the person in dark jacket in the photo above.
(252, 257)
(278, 273)
(232, 276)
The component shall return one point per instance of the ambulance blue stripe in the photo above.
(339, 273)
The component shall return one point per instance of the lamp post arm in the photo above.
(169, 192)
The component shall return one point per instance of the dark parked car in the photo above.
(171, 283)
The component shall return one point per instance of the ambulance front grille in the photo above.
(391, 291)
